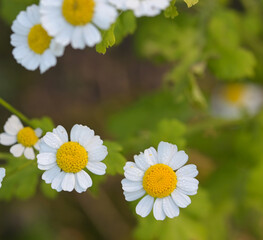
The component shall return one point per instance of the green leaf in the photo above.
(171, 11)
(11, 8)
(47, 190)
(115, 161)
(190, 3)
(108, 40)
(233, 64)
(45, 123)
(21, 178)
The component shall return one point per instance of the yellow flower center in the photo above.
(38, 39)
(78, 12)
(72, 157)
(27, 137)
(233, 93)
(159, 181)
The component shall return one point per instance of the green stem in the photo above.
(11, 109)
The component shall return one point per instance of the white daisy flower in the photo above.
(142, 7)
(25, 138)
(152, 176)
(77, 21)
(2, 175)
(233, 100)
(65, 161)
(33, 46)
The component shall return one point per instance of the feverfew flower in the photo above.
(77, 21)
(142, 7)
(65, 161)
(25, 137)
(152, 176)
(2, 175)
(33, 46)
(233, 100)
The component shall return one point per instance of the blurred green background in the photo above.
(156, 84)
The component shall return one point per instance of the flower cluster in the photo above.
(41, 33)
(159, 176)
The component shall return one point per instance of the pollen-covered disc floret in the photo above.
(162, 179)
(159, 181)
(33, 46)
(65, 161)
(72, 157)
(141, 8)
(233, 100)
(77, 22)
(22, 139)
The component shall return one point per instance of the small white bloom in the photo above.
(2, 175)
(33, 46)
(152, 177)
(142, 7)
(65, 161)
(233, 100)
(77, 21)
(25, 137)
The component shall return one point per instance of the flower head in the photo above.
(142, 7)
(232, 100)
(25, 138)
(152, 176)
(77, 21)
(65, 161)
(2, 175)
(34, 47)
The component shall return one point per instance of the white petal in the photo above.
(151, 156)
(38, 132)
(52, 140)
(47, 61)
(187, 184)
(131, 186)
(17, 150)
(13, 125)
(187, 171)
(46, 158)
(61, 132)
(76, 132)
(84, 179)
(78, 41)
(131, 196)
(98, 168)
(92, 35)
(144, 207)
(94, 143)
(2, 173)
(56, 48)
(47, 166)
(132, 172)
(7, 140)
(85, 136)
(43, 147)
(98, 154)
(29, 153)
(165, 152)
(158, 212)
(170, 208)
(50, 174)
(180, 199)
(78, 188)
(68, 182)
(178, 160)
(141, 161)
(56, 183)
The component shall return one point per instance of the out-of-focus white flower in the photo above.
(33, 46)
(152, 176)
(65, 161)
(77, 21)
(2, 175)
(142, 7)
(232, 100)
(25, 137)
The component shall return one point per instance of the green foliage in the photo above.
(190, 3)
(45, 123)
(10, 8)
(21, 178)
(171, 11)
(124, 25)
